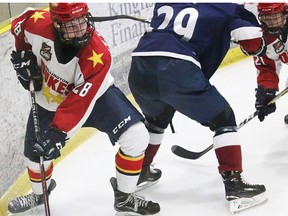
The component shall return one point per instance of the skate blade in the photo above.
(145, 185)
(133, 214)
(35, 211)
(241, 204)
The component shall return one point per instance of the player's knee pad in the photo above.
(153, 128)
(225, 119)
(161, 121)
(134, 140)
(223, 130)
(155, 133)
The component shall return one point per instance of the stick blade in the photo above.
(183, 153)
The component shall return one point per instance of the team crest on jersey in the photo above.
(45, 52)
(278, 47)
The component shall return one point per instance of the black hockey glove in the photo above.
(25, 65)
(50, 144)
(263, 97)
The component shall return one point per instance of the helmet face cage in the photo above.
(76, 32)
(273, 17)
(72, 23)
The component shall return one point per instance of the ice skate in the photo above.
(242, 195)
(29, 201)
(131, 204)
(148, 177)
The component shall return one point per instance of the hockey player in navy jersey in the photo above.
(170, 71)
(273, 19)
(69, 63)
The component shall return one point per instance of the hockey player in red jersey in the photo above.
(69, 64)
(179, 53)
(273, 18)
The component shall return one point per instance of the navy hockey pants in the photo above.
(162, 85)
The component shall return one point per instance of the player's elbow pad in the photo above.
(255, 46)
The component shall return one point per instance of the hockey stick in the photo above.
(109, 18)
(184, 153)
(37, 135)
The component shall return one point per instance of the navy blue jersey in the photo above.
(200, 32)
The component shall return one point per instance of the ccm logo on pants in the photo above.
(121, 124)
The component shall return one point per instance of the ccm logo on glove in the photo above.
(49, 144)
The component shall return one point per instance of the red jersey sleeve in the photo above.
(267, 72)
(19, 25)
(268, 65)
(252, 45)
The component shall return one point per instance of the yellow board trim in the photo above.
(233, 55)
(5, 29)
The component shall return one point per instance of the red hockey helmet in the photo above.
(72, 23)
(271, 8)
(63, 12)
(273, 17)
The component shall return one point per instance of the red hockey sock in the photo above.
(150, 153)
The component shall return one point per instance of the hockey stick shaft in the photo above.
(184, 153)
(109, 18)
(37, 135)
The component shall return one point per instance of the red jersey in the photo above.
(69, 89)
